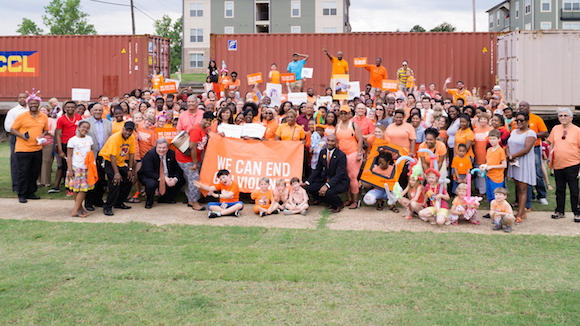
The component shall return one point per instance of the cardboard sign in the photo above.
(297, 98)
(169, 134)
(390, 85)
(287, 78)
(274, 92)
(167, 88)
(307, 72)
(360, 62)
(353, 90)
(255, 78)
(253, 130)
(340, 87)
(81, 94)
(376, 178)
(324, 101)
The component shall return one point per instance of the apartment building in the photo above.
(512, 15)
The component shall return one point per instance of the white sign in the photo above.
(353, 90)
(253, 130)
(176, 81)
(232, 131)
(297, 98)
(324, 101)
(307, 72)
(274, 92)
(232, 45)
(81, 94)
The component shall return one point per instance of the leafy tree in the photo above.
(173, 31)
(444, 27)
(64, 17)
(28, 27)
(417, 28)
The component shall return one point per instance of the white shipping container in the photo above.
(541, 68)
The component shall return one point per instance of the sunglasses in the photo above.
(446, 102)
(563, 115)
(343, 112)
(270, 113)
(565, 133)
(380, 110)
(520, 120)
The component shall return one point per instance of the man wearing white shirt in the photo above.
(10, 117)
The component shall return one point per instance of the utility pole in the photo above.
(133, 17)
(473, 15)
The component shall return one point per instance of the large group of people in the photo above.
(112, 146)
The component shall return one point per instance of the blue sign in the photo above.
(232, 45)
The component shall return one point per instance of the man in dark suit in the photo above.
(171, 179)
(329, 178)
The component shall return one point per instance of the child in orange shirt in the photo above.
(416, 197)
(264, 199)
(501, 211)
(460, 208)
(460, 166)
(297, 199)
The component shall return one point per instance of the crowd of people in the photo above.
(112, 146)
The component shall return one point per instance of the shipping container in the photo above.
(541, 68)
(432, 56)
(109, 65)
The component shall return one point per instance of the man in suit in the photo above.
(100, 131)
(329, 178)
(160, 158)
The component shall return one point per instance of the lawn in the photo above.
(138, 274)
(190, 78)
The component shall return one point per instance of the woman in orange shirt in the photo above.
(330, 123)
(268, 120)
(290, 130)
(350, 141)
(465, 135)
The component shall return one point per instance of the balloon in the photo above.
(402, 158)
(397, 190)
(392, 199)
(481, 173)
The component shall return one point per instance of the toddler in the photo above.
(460, 208)
(297, 199)
(460, 166)
(415, 200)
(501, 212)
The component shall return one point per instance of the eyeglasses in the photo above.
(270, 113)
(343, 112)
(446, 102)
(565, 133)
(380, 110)
(563, 115)
(520, 120)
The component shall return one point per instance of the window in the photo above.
(329, 30)
(497, 18)
(546, 25)
(196, 60)
(574, 26)
(229, 12)
(528, 27)
(546, 5)
(517, 9)
(295, 9)
(196, 35)
(329, 8)
(491, 21)
(196, 10)
(228, 30)
(295, 29)
(571, 5)
(528, 7)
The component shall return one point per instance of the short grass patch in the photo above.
(190, 78)
(135, 274)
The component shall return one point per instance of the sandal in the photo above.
(380, 207)
(348, 203)
(133, 200)
(518, 220)
(354, 205)
(550, 187)
(81, 214)
(394, 209)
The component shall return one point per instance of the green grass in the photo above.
(138, 274)
(190, 78)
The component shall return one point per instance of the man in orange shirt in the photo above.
(459, 92)
(339, 66)
(378, 73)
(157, 79)
(233, 85)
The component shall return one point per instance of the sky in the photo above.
(365, 15)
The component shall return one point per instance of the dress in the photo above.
(526, 172)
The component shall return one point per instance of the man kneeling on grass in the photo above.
(229, 196)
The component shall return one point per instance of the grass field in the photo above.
(190, 78)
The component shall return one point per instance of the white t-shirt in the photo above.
(80, 146)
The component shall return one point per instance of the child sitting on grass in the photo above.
(281, 193)
(435, 192)
(460, 166)
(500, 211)
(229, 196)
(415, 200)
(460, 209)
(264, 199)
(297, 199)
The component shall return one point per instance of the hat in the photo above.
(345, 108)
(400, 98)
(318, 125)
(295, 54)
(497, 88)
(129, 125)
(497, 97)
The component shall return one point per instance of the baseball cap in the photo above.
(345, 108)
(497, 88)
(129, 125)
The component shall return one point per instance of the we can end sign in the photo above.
(232, 45)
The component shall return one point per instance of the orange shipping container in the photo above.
(109, 65)
(432, 56)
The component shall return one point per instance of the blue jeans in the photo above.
(540, 187)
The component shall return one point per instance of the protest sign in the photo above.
(297, 98)
(360, 62)
(81, 94)
(374, 177)
(287, 78)
(390, 85)
(340, 87)
(307, 72)
(274, 92)
(254, 78)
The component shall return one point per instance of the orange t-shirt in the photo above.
(462, 136)
(443, 134)
(117, 126)
(271, 127)
(285, 132)
(365, 124)
(147, 139)
(233, 188)
(461, 165)
(566, 151)
(377, 75)
(495, 157)
(262, 199)
(537, 124)
(401, 135)
(230, 85)
(24, 123)
(456, 94)
(347, 139)
(505, 207)
(440, 150)
(480, 143)
(339, 67)
(275, 77)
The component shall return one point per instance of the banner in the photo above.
(254, 78)
(340, 87)
(379, 180)
(168, 88)
(360, 62)
(250, 160)
(167, 133)
(298, 98)
(274, 92)
(287, 78)
(353, 90)
(390, 85)
(81, 94)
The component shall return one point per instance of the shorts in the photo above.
(490, 186)
(229, 204)
(297, 83)
(402, 87)
(258, 206)
(507, 220)
(442, 211)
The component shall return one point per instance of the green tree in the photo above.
(64, 17)
(417, 28)
(444, 27)
(173, 31)
(28, 27)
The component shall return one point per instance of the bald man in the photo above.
(339, 66)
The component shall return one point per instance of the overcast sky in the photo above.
(365, 15)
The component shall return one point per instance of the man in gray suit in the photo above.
(101, 130)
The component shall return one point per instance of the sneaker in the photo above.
(543, 201)
(53, 190)
(577, 218)
(508, 229)
(304, 212)
(557, 215)
(486, 216)
(287, 212)
(447, 223)
(237, 213)
(69, 193)
(212, 214)
(408, 217)
(497, 227)
(276, 211)
(262, 214)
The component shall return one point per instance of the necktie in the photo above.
(328, 161)
(161, 178)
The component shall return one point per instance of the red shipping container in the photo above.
(109, 65)
(432, 56)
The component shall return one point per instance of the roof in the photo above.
(499, 5)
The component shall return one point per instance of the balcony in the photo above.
(262, 16)
(569, 14)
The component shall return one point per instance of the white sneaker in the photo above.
(287, 212)
(304, 212)
(543, 201)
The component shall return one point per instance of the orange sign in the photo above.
(370, 174)
(360, 62)
(287, 78)
(166, 88)
(167, 133)
(250, 160)
(255, 78)
(390, 85)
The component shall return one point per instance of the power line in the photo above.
(144, 13)
(111, 3)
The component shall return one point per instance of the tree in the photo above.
(444, 27)
(417, 28)
(64, 17)
(28, 27)
(172, 31)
